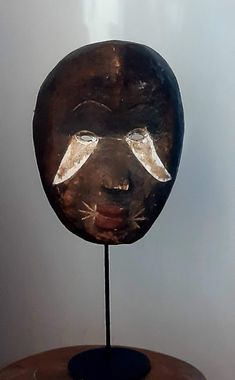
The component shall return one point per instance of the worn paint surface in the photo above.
(108, 131)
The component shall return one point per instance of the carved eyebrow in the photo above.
(92, 102)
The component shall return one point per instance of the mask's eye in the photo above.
(142, 146)
(137, 134)
(86, 136)
(80, 148)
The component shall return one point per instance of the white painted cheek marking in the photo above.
(75, 156)
(145, 152)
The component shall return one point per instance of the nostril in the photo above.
(110, 183)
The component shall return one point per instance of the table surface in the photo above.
(52, 365)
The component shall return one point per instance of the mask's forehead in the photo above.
(92, 73)
(117, 75)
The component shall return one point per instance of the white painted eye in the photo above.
(137, 134)
(80, 148)
(86, 136)
(142, 146)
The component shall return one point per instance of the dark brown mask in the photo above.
(108, 131)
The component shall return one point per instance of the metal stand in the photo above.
(107, 296)
(109, 363)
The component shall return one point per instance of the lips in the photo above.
(110, 217)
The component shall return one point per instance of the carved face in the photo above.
(108, 131)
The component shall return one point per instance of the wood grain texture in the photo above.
(52, 365)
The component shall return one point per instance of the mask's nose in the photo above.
(114, 183)
(116, 176)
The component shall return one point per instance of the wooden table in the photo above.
(52, 365)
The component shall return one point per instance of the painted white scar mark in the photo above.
(142, 85)
(145, 152)
(89, 212)
(75, 157)
(137, 218)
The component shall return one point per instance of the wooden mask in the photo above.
(108, 132)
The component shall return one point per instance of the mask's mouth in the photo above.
(111, 217)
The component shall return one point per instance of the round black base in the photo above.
(115, 363)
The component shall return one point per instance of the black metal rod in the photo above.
(107, 296)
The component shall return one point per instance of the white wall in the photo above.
(173, 291)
